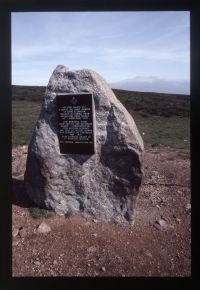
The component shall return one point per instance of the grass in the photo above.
(173, 131)
(161, 118)
(37, 213)
(29, 93)
(165, 105)
(24, 117)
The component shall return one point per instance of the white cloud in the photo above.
(117, 45)
(22, 51)
(123, 54)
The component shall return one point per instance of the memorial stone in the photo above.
(86, 154)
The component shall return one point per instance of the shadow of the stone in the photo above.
(19, 196)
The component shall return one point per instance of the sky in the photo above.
(145, 51)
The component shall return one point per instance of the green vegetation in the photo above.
(29, 93)
(24, 117)
(165, 105)
(173, 131)
(160, 118)
(37, 213)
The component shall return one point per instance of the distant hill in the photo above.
(153, 84)
(144, 102)
(29, 93)
(155, 103)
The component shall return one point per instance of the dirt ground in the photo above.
(158, 244)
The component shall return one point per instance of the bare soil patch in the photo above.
(158, 244)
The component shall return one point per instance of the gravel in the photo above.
(139, 250)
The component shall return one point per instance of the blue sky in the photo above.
(129, 49)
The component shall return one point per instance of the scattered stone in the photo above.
(37, 263)
(148, 254)
(95, 221)
(22, 232)
(103, 185)
(188, 207)
(94, 235)
(92, 249)
(24, 149)
(15, 243)
(161, 224)
(43, 228)
(103, 269)
(15, 232)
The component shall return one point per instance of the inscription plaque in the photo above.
(76, 123)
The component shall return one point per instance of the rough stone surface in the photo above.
(104, 185)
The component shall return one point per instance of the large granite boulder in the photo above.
(104, 185)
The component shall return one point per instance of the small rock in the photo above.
(15, 243)
(178, 220)
(37, 263)
(188, 207)
(92, 249)
(88, 265)
(94, 235)
(22, 232)
(55, 262)
(148, 254)
(15, 232)
(160, 224)
(95, 221)
(43, 228)
(103, 269)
